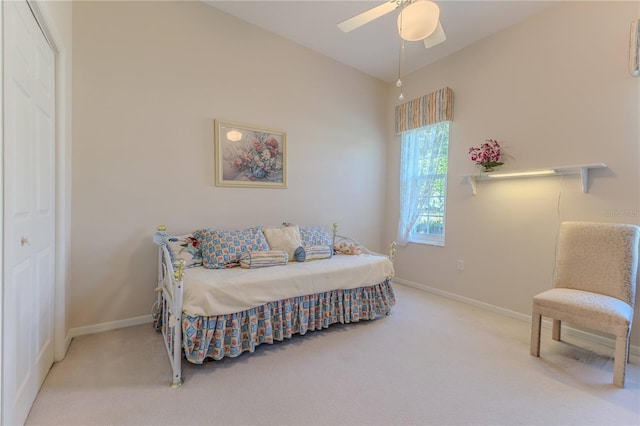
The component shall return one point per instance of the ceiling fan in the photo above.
(417, 20)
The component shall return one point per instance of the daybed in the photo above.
(217, 297)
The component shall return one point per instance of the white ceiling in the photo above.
(374, 48)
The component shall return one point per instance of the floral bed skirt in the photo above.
(230, 335)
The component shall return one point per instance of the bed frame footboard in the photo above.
(170, 306)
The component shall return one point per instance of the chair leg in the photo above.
(620, 360)
(536, 319)
(555, 330)
(628, 349)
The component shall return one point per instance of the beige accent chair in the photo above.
(594, 285)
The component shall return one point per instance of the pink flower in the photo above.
(257, 145)
(488, 152)
(272, 145)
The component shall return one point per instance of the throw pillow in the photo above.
(223, 249)
(306, 254)
(315, 236)
(263, 259)
(184, 247)
(286, 239)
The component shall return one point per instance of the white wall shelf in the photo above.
(581, 169)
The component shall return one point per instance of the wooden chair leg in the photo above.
(620, 360)
(536, 320)
(555, 330)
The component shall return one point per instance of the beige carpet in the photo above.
(433, 362)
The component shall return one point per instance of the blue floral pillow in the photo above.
(184, 247)
(223, 249)
(315, 236)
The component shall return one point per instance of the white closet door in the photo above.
(29, 210)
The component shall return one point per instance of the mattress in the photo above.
(209, 292)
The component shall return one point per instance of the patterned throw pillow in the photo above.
(305, 254)
(286, 238)
(315, 236)
(263, 259)
(223, 249)
(184, 247)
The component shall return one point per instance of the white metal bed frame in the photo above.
(169, 303)
(170, 308)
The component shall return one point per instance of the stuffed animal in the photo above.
(347, 248)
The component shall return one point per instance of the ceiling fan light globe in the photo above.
(418, 20)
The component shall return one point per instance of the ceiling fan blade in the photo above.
(437, 37)
(367, 16)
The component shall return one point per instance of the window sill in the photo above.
(428, 242)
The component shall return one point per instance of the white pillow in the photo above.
(286, 239)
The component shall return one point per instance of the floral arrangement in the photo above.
(488, 155)
(258, 158)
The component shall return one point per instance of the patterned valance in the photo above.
(430, 109)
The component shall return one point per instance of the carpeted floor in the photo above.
(433, 362)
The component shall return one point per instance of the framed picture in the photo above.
(250, 156)
(634, 49)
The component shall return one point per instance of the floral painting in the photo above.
(250, 156)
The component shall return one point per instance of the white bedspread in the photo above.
(209, 292)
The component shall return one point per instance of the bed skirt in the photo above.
(230, 335)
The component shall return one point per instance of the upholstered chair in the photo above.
(594, 284)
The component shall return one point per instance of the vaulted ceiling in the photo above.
(374, 47)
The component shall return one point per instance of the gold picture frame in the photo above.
(250, 156)
(634, 49)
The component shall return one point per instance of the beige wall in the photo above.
(149, 78)
(555, 90)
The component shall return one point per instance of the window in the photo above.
(423, 184)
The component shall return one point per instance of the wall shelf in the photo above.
(581, 169)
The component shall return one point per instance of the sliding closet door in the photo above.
(29, 210)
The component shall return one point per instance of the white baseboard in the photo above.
(146, 319)
(546, 323)
(67, 343)
(107, 326)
